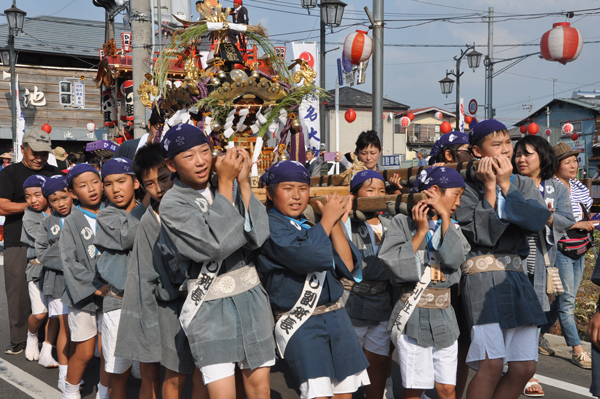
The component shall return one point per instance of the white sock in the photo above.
(46, 359)
(62, 374)
(102, 392)
(32, 351)
(71, 391)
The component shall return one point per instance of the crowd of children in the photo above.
(198, 276)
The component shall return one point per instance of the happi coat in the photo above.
(326, 344)
(114, 240)
(31, 224)
(429, 327)
(228, 329)
(503, 297)
(149, 329)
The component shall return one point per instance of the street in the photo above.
(21, 379)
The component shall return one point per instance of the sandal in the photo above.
(535, 384)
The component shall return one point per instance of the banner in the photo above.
(461, 115)
(309, 109)
(20, 124)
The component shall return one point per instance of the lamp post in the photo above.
(15, 19)
(332, 12)
(473, 59)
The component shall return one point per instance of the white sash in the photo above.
(291, 321)
(197, 293)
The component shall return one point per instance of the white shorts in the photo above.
(518, 344)
(110, 328)
(327, 387)
(215, 372)
(39, 303)
(422, 367)
(56, 307)
(84, 325)
(375, 339)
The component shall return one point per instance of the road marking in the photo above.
(27, 383)
(566, 386)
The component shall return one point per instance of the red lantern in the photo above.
(523, 129)
(562, 43)
(384, 116)
(445, 127)
(567, 128)
(350, 115)
(574, 136)
(405, 121)
(468, 119)
(46, 128)
(548, 132)
(411, 116)
(439, 115)
(358, 47)
(533, 128)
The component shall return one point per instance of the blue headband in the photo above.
(117, 166)
(181, 138)
(284, 171)
(34, 181)
(440, 176)
(448, 139)
(79, 169)
(483, 128)
(54, 184)
(363, 176)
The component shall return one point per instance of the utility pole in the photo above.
(378, 70)
(490, 66)
(553, 83)
(141, 43)
(548, 120)
(529, 106)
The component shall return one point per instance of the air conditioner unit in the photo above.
(433, 139)
(412, 139)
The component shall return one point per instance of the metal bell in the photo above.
(222, 74)
(255, 74)
(216, 126)
(296, 125)
(216, 152)
(215, 81)
(283, 156)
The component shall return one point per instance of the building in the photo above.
(362, 103)
(582, 110)
(424, 130)
(52, 50)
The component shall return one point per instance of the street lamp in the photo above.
(332, 12)
(15, 18)
(473, 59)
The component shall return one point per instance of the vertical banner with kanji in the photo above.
(309, 109)
(20, 123)
(461, 115)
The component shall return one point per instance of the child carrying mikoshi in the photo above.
(52, 280)
(213, 231)
(423, 259)
(149, 330)
(369, 303)
(84, 287)
(302, 265)
(35, 213)
(496, 215)
(115, 234)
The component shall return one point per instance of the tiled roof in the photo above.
(351, 97)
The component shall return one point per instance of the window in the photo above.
(436, 128)
(576, 127)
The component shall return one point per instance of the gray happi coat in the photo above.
(149, 329)
(31, 224)
(429, 327)
(79, 256)
(501, 297)
(556, 194)
(48, 252)
(228, 329)
(371, 309)
(114, 239)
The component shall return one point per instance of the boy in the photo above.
(35, 213)
(52, 281)
(302, 267)
(423, 258)
(84, 288)
(149, 330)
(496, 215)
(226, 314)
(117, 228)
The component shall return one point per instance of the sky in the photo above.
(411, 74)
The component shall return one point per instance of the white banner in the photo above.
(20, 124)
(461, 115)
(309, 109)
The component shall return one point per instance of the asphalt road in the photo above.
(20, 379)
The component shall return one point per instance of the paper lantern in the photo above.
(411, 116)
(384, 116)
(548, 132)
(574, 136)
(350, 115)
(46, 128)
(90, 127)
(405, 121)
(523, 129)
(358, 47)
(533, 128)
(439, 115)
(567, 128)
(445, 127)
(562, 43)
(109, 107)
(126, 41)
(468, 119)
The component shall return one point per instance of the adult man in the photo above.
(130, 147)
(313, 164)
(35, 149)
(240, 16)
(421, 155)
